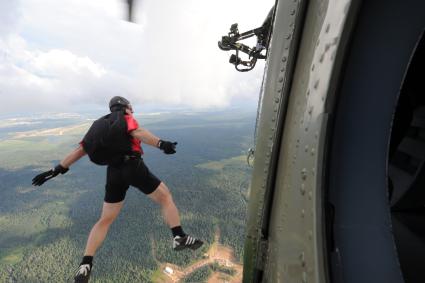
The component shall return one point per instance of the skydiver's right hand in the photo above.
(40, 179)
(167, 147)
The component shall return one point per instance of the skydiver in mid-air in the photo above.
(115, 140)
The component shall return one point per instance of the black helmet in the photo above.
(118, 103)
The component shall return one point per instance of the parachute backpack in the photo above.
(107, 140)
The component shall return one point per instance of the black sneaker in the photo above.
(180, 243)
(83, 274)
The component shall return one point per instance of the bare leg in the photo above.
(163, 197)
(98, 233)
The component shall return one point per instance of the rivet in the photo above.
(304, 173)
(284, 59)
(302, 189)
(302, 259)
(292, 12)
(306, 148)
(304, 277)
(322, 57)
(276, 100)
(280, 79)
(328, 27)
(312, 67)
(316, 84)
(333, 55)
(313, 151)
(310, 110)
(310, 194)
(288, 36)
(327, 47)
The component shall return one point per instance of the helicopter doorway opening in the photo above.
(369, 239)
(406, 169)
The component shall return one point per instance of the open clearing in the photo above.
(222, 255)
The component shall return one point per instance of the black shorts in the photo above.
(132, 173)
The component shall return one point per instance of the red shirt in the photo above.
(131, 126)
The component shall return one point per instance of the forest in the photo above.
(43, 230)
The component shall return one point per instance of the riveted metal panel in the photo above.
(278, 73)
(296, 251)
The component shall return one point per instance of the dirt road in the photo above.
(217, 253)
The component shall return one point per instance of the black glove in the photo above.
(167, 147)
(43, 177)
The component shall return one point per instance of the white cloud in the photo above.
(61, 54)
(9, 12)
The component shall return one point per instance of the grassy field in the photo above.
(221, 164)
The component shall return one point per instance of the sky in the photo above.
(76, 54)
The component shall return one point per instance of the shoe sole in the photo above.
(196, 246)
(179, 248)
(192, 247)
